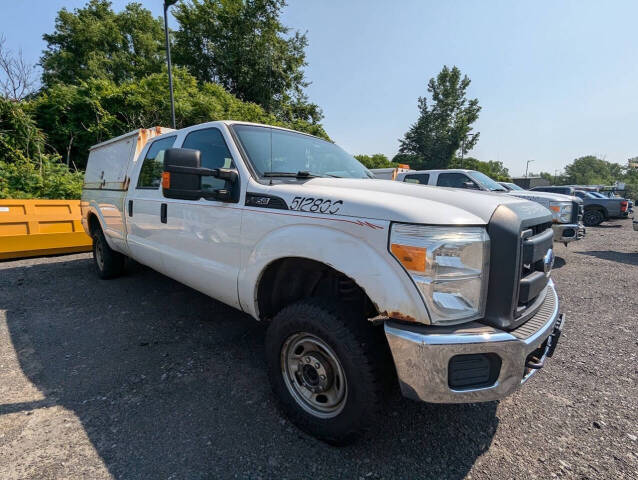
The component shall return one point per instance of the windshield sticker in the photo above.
(316, 205)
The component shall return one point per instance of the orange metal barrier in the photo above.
(30, 228)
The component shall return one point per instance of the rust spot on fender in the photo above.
(398, 316)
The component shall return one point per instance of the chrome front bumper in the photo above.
(422, 354)
(568, 232)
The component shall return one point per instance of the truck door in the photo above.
(201, 238)
(144, 206)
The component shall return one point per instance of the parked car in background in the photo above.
(364, 283)
(596, 210)
(566, 211)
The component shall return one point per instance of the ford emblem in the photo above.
(548, 261)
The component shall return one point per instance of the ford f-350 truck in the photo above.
(363, 282)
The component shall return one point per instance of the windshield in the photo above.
(597, 195)
(513, 186)
(487, 182)
(275, 152)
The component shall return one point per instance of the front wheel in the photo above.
(592, 218)
(324, 369)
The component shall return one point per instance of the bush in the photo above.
(25, 170)
(50, 179)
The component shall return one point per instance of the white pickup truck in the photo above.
(363, 282)
(567, 211)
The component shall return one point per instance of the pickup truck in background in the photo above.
(596, 210)
(630, 204)
(362, 282)
(566, 211)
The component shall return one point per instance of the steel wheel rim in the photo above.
(313, 375)
(99, 255)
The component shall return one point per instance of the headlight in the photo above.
(449, 265)
(561, 211)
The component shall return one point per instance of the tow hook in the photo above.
(536, 359)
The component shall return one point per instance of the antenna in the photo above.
(269, 96)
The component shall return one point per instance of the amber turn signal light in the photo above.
(412, 258)
(166, 180)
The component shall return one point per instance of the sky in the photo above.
(556, 80)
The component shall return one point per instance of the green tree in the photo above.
(552, 178)
(77, 116)
(413, 161)
(591, 170)
(95, 42)
(377, 160)
(491, 168)
(445, 125)
(242, 45)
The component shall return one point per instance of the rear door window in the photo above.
(420, 178)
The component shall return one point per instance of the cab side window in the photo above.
(151, 171)
(454, 180)
(421, 178)
(214, 154)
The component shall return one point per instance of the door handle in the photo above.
(130, 208)
(163, 213)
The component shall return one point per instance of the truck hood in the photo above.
(546, 196)
(402, 202)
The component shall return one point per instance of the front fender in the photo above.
(372, 268)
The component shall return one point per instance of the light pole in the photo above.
(167, 4)
(527, 167)
(462, 149)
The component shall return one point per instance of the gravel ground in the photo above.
(142, 377)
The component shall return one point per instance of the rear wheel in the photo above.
(592, 218)
(109, 263)
(324, 369)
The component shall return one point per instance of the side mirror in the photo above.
(470, 185)
(182, 176)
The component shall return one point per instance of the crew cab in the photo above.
(596, 210)
(362, 282)
(566, 210)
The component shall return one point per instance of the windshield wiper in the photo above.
(299, 174)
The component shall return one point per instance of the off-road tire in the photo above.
(361, 351)
(593, 218)
(108, 262)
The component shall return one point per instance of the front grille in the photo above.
(520, 236)
(577, 212)
(536, 241)
(540, 228)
